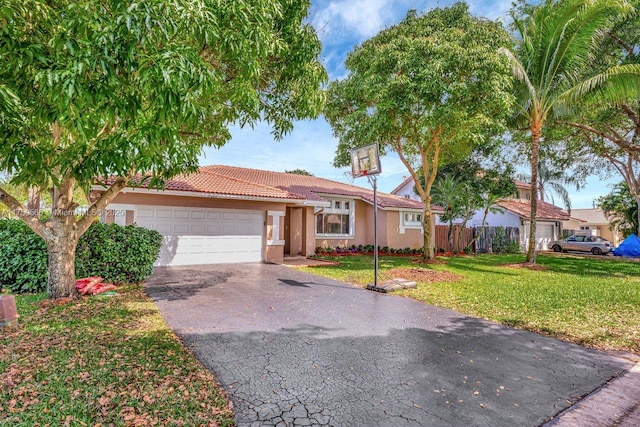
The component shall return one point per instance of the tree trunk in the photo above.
(429, 253)
(62, 275)
(62, 252)
(33, 200)
(536, 133)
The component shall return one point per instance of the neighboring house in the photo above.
(227, 214)
(593, 222)
(516, 213)
(406, 189)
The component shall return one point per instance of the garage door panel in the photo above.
(164, 213)
(181, 214)
(205, 236)
(145, 213)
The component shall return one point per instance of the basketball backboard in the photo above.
(365, 161)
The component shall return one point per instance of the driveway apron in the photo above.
(293, 348)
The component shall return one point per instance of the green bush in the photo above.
(119, 254)
(513, 248)
(23, 258)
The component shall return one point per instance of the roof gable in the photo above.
(544, 211)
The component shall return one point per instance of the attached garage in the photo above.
(205, 236)
(545, 234)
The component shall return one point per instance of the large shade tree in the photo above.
(556, 43)
(110, 90)
(430, 89)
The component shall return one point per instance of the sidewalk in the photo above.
(617, 403)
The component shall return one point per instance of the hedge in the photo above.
(119, 254)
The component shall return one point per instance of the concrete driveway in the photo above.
(296, 349)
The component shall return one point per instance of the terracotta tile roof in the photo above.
(310, 187)
(243, 182)
(213, 183)
(545, 211)
(521, 184)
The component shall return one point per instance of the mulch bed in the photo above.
(423, 275)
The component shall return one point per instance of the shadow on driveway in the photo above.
(292, 348)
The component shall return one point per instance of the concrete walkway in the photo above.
(297, 349)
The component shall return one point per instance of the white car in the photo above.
(594, 244)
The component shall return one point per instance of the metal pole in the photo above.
(374, 182)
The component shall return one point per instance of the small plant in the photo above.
(467, 250)
(513, 248)
(441, 250)
(455, 252)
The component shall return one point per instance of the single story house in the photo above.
(224, 214)
(516, 213)
(593, 222)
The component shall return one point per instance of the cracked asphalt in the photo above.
(293, 348)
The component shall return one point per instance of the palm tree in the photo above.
(555, 44)
(552, 181)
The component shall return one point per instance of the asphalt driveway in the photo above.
(296, 349)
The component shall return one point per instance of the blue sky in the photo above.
(341, 25)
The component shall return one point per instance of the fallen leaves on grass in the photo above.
(424, 275)
(93, 362)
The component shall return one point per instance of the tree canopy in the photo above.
(90, 90)
(429, 88)
(621, 205)
(553, 65)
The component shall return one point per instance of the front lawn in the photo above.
(102, 361)
(592, 302)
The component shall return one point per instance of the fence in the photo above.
(441, 239)
(497, 239)
(492, 239)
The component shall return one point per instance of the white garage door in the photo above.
(205, 236)
(544, 235)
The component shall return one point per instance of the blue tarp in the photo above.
(630, 247)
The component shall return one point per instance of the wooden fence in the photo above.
(442, 237)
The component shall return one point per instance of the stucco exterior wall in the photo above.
(411, 238)
(295, 231)
(308, 232)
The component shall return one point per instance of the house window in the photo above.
(336, 220)
(410, 220)
(584, 227)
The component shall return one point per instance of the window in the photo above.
(410, 220)
(336, 220)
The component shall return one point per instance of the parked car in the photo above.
(594, 244)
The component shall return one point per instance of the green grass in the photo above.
(102, 361)
(592, 302)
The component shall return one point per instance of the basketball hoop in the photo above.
(365, 161)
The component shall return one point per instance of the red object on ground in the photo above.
(93, 285)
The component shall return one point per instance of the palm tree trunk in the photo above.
(536, 133)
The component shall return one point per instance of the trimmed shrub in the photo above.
(119, 254)
(23, 258)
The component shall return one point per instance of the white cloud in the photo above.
(362, 17)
